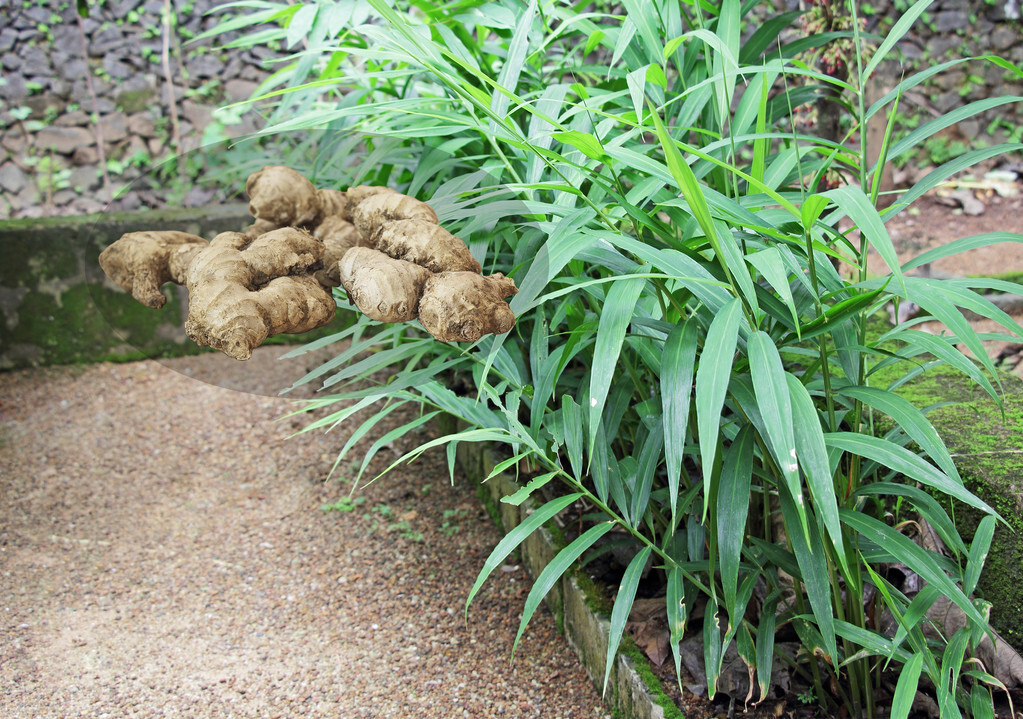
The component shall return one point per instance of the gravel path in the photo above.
(164, 551)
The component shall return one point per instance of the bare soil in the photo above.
(164, 551)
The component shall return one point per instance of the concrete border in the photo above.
(57, 307)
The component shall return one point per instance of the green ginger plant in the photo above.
(688, 362)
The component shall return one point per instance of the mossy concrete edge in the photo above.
(985, 445)
(59, 308)
(630, 694)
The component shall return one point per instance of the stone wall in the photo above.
(49, 151)
(948, 30)
(49, 146)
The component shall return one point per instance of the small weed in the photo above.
(405, 529)
(345, 504)
(448, 527)
(807, 696)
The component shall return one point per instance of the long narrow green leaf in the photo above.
(851, 200)
(910, 419)
(979, 548)
(813, 458)
(838, 313)
(943, 349)
(389, 437)
(928, 507)
(553, 571)
(771, 266)
(916, 137)
(622, 607)
(685, 180)
(515, 537)
(905, 689)
(712, 376)
(572, 416)
(912, 555)
(765, 643)
(512, 68)
(813, 567)
(676, 611)
(650, 454)
(981, 702)
(900, 28)
(614, 320)
(902, 460)
(523, 493)
(961, 245)
(772, 394)
(732, 509)
(712, 649)
(677, 366)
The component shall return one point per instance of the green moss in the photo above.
(653, 684)
(132, 101)
(81, 324)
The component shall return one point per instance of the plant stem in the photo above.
(172, 105)
(100, 144)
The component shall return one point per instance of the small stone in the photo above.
(1005, 37)
(198, 115)
(141, 124)
(106, 40)
(14, 89)
(238, 90)
(14, 142)
(7, 38)
(128, 203)
(113, 127)
(87, 206)
(35, 61)
(64, 140)
(198, 197)
(10, 61)
(85, 156)
(74, 69)
(951, 20)
(206, 65)
(83, 179)
(28, 196)
(947, 101)
(43, 105)
(75, 118)
(938, 46)
(117, 69)
(12, 179)
(63, 197)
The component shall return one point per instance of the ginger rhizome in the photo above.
(387, 250)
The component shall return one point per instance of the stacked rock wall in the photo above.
(952, 29)
(50, 161)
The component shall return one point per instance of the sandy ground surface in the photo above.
(164, 551)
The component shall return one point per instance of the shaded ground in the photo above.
(164, 551)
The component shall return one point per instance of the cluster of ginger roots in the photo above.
(386, 249)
